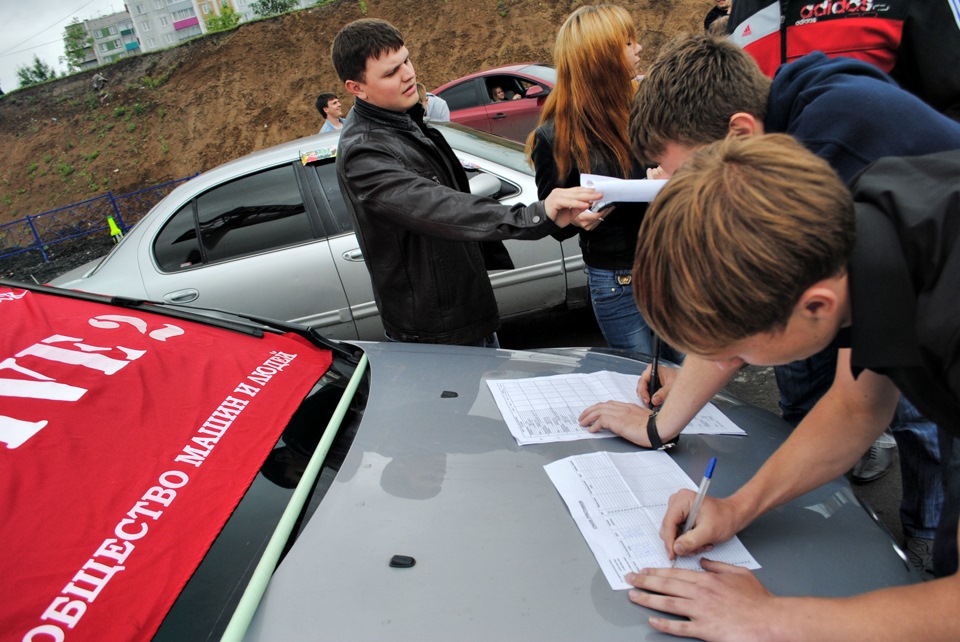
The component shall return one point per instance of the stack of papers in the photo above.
(546, 409)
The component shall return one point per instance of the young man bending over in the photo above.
(801, 266)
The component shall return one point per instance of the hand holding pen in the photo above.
(656, 378)
(655, 368)
(698, 500)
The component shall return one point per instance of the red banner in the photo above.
(126, 441)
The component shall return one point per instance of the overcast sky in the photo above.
(29, 27)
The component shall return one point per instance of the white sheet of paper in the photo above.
(618, 501)
(621, 190)
(545, 409)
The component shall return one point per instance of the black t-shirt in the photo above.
(905, 280)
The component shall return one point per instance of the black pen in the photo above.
(655, 368)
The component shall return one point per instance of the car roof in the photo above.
(434, 474)
(520, 68)
(320, 145)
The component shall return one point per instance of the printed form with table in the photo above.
(618, 500)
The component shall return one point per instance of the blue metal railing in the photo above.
(39, 231)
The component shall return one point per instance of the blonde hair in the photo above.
(590, 105)
(734, 239)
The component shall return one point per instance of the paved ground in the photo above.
(753, 384)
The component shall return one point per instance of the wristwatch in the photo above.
(655, 442)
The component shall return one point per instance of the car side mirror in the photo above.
(535, 91)
(484, 185)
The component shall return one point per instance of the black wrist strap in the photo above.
(655, 442)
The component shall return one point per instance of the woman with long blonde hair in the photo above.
(584, 129)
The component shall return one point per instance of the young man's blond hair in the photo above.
(735, 238)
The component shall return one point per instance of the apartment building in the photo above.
(165, 23)
(149, 25)
(113, 36)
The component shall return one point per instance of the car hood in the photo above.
(434, 474)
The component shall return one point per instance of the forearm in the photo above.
(825, 445)
(697, 382)
(925, 611)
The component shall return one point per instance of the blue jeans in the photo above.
(920, 471)
(620, 321)
(801, 385)
(945, 545)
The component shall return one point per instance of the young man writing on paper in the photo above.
(801, 266)
(700, 89)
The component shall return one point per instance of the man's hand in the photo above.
(625, 419)
(717, 522)
(563, 205)
(666, 374)
(590, 219)
(725, 603)
(657, 173)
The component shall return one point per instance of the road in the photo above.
(753, 384)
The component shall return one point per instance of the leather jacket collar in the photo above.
(408, 119)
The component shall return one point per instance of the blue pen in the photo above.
(704, 485)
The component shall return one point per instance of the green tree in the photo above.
(264, 8)
(225, 20)
(36, 73)
(77, 45)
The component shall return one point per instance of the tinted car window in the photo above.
(463, 96)
(253, 214)
(177, 246)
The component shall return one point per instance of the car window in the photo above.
(177, 246)
(546, 74)
(486, 146)
(512, 86)
(464, 95)
(327, 173)
(252, 214)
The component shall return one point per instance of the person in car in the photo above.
(876, 274)
(499, 96)
(421, 231)
(583, 128)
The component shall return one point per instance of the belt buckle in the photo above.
(624, 279)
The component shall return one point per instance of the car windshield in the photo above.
(549, 74)
(487, 146)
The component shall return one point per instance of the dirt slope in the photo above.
(170, 114)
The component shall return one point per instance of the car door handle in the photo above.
(499, 116)
(353, 255)
(182, 296)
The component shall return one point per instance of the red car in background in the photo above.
(525, 88)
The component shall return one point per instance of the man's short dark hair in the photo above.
(358, 42)
(323, 100)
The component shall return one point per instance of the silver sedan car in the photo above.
(269, 235)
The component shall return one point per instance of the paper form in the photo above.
(545, 409)
(622, 190)
(618, 501)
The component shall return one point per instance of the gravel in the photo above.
(30, 267)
